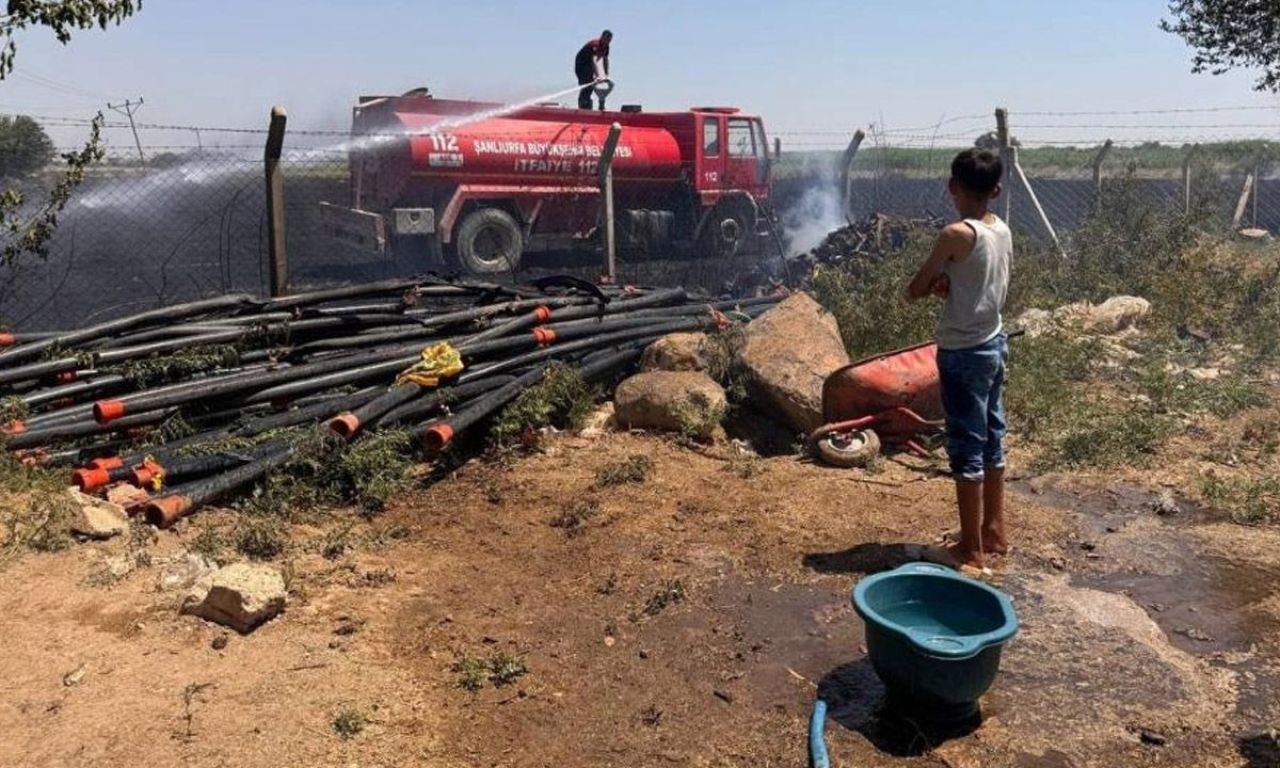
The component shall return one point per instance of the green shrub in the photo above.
(562, 399)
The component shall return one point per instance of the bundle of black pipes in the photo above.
(150, 399)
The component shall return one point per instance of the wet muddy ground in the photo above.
(691, 621)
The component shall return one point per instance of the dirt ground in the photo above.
(691, 619)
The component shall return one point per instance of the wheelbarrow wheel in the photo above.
(848, 449)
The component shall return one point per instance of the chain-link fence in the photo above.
(182, 211)
(1054, 185)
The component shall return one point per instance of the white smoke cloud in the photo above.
(807, 222)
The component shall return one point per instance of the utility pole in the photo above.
(127, 109)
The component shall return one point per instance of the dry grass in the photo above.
(636, 468)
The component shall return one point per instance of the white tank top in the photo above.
(979, 283)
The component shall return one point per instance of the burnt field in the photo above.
(128, 242)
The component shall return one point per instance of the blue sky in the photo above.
(822, 65)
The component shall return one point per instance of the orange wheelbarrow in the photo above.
(891, 398)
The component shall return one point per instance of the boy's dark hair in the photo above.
(607, 34)
(977, 170)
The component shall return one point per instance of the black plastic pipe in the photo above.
(417, 409)
(86, 387)
(419, 286)
(163, 512)
(436, 436)
(265, 383)
(112, 327)
(340, 377)
(32, 438)
(306, 414)
(147, 472)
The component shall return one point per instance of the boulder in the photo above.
(677, 352)
(1116, 314)
(240, 596)
(671, 401)
(95, 518)
(787, 354)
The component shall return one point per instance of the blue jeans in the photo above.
(972, 383)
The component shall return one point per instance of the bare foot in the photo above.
(994, 543)
(965, 557)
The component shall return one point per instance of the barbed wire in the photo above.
(1169, 111)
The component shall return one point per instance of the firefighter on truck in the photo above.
(591, 65)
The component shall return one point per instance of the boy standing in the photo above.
(969, 269)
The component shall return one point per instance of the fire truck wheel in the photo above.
(488, 241)
(726, 232)
(848, 449)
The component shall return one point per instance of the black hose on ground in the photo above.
(77, 429)
(415, 410)
(112, 327)
(181, 500)
(436, 436)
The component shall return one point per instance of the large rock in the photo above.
(239, 596)
(671, 401)
(95, 518)
(788, 353)
(677, 352)
(1116, 314)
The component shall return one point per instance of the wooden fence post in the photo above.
(1257, 177)
(1186, 178)
(606, 190)
(1245, 193)
(1098, 160)
(1006, 158)
(279, 271)
(846, 169)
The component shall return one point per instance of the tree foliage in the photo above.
(26, 228)
(1228, 34)
(24, 147)
(62, 17)
(29, 231)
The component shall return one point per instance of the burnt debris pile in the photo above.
(871, 239)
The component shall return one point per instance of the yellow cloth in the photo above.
(439, 361)
(157, 473)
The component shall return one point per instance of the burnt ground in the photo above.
(690, 621)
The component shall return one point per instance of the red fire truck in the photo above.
(465, 184)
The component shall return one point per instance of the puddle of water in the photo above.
(804, 641)
(1205, 604)
(788, 635)
(1200, 601)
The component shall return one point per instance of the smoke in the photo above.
(816, 214)
(201, 171)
